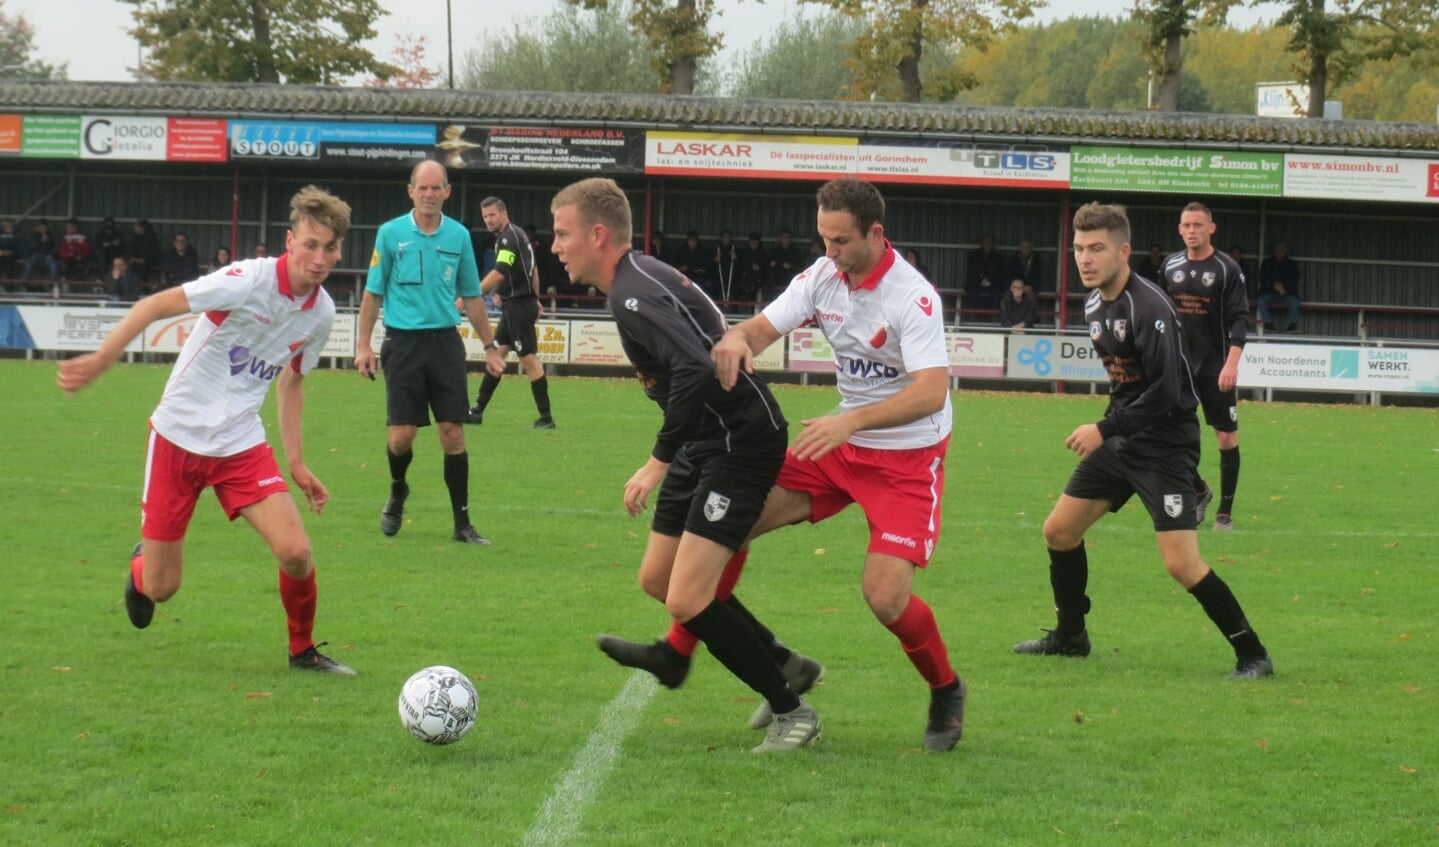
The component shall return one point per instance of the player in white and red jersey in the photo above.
(259, 321)
(884, 449)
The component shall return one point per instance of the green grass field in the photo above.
(194, 732)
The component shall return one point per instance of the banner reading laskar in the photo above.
(825, 157)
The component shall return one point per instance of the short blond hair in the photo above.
(599, 201)
(320, 207)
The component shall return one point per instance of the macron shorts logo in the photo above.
(274, 480)
(902, 540)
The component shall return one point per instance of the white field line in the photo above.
(558, 820)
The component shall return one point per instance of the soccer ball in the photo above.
(438, 705)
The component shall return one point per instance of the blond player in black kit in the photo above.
(1209, 292)
(1147, 443)
(716, 455)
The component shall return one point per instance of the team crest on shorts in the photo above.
(716, 504)
(1173, 504)
(1233, 414)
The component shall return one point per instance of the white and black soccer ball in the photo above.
(438, 705)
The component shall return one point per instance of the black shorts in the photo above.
(1162, 473)
(424, 371)
(1221, 408)
(715, 493)
(517, 325)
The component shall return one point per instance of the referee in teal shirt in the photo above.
(422, 262)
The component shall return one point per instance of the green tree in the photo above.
(562, 53)
(1231, 61)
(296, 41)
(17, 48)
(1166, 24)
(897, 32)
(1074, 63)
(1331, 42)
(797, 61)
(677, 36)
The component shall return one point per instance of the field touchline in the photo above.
(558, 820)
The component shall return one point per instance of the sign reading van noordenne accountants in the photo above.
(1155, 169)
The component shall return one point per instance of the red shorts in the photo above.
(174, 478)
(900, 491)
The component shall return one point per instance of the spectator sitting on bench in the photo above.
(1279, 284)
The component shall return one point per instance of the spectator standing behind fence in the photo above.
(260, 251)
(1026, 265)
(144, 249)
(693, 260)
(180, 262)
(726, 251)
(984, 276)
(751, 266)
(784, 263)
(1018, 310)
(42, 252)
(1279, 283)
(9, 250)
(74, 251)
(108, 242)
(1251, 279)
(1151, 265)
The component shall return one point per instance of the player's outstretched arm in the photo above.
(80, 371)
(737, 349)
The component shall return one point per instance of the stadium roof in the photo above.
(719, 114)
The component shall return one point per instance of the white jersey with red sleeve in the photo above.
(883, 330)
(250, 326)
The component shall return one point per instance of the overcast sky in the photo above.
(100, 48)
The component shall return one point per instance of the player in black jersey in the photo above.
(717, 454)
(1209, 291)
(1146, 443)
(516, 280)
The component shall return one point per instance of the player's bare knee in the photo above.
(655, 585)
(294, 559)
(1059, 535)
(683, 607)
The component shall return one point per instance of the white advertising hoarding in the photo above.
(1382, 369)
(975, 354)
(1054, 357)
(1361, 178)
(72, 327)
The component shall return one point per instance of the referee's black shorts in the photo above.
(1161, 473)
(517, 325)
(718, 494)
(424, 372)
